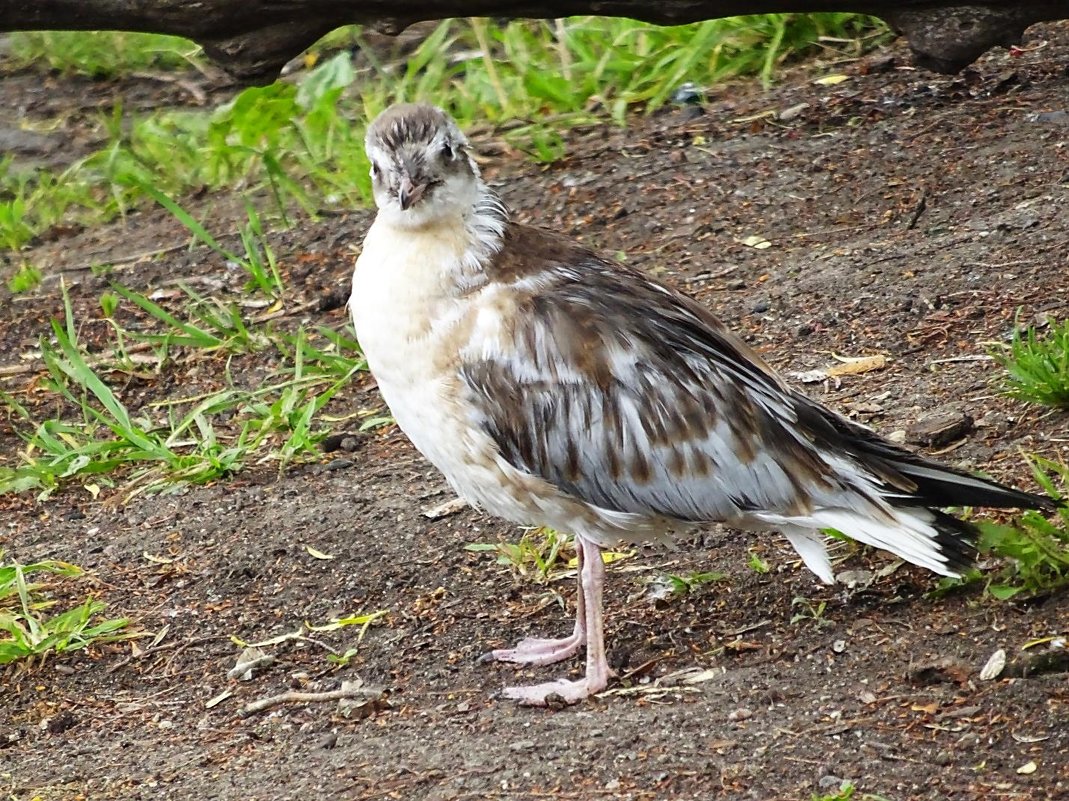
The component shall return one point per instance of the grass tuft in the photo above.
(26, 632)
(539, 556)
(213, 436)
(1038, 367)
(101, 54)
(1034, 550)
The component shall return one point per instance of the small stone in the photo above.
(688, 93)
(329, 741)
(898, 436)
(829, 782)
(522, 745)
(789, 113)
(61, 722)
(878, 64)
(838, 646)
(742, 713)
(691, 111)
(762, 306)
(939, 428)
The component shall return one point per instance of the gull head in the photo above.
(421, 166)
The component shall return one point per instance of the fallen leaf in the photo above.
(703, 675)
(352, 620)
(608, 557)
(1028, 768)
(996, 663)
(831, 80)
(1029, 738)
(850, 365)
(316, 553)
(756, 242)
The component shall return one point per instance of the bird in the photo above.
(553, 386)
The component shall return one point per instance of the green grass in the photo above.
(844, 793)
(681, 584)
(1033, 549)
(180, 441)
(809, 611)
(100, 54)
(25, 278)
(301, 142)
(1037, 367)
(30, 626)
(544, 555)
(1036, 549)
(540, 555)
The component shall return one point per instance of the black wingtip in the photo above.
(957, 540)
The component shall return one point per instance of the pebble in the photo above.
(897, 436)
(742, 713)
(939, 428)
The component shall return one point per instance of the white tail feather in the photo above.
(911, 536)
(809, 545)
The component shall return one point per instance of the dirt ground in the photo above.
(908, 215)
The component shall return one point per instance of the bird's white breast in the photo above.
(403, 308)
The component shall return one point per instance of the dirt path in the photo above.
(909, 215)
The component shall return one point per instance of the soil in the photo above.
(910, 215)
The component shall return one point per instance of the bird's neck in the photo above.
(484, 225)
(451, 246)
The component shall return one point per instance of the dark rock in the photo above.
(939, 428)
(334, 299)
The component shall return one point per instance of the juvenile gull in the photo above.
(554, 386)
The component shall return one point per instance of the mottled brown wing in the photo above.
(634, 398)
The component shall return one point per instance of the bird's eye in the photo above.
(448, 153)
(376, 173)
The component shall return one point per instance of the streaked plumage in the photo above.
(553, 386)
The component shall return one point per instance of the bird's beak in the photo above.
(410, 192)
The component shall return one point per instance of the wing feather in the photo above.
(636, 399)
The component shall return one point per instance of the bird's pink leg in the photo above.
(543, 651)
(591, 589)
